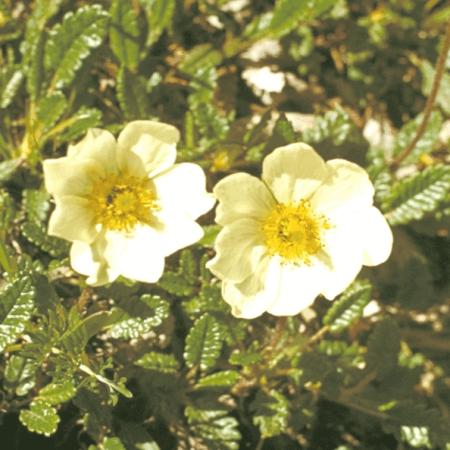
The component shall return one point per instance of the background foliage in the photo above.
(148, 367)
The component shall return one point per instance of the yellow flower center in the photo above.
(122, 201)
(294, 232)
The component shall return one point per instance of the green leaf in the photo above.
(200, 59)
(426, 142)
(72, 41)
(37, 235)
(36, 204)
(79, 123)
(159, 362)
(421, 193)
(20, 374)
(10, 81)
(16, 308)
(443, 96)
(136, 437)
(50, 109)
(56, 393)
(132, 96)
(159, 16)
(176, 284)
(217, 430)
(77, 336)
(8, 168)
(348, 307)
(41, 418)
(203, 343)
(383, 348)
(271, 413)
(111, 444)
(140, 316)
(417, 437)
(226, 378)
(124, 33)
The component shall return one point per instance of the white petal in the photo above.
(85, 260)
(347, 189)
(299, 287)
(294, 172)
(135, 256)
(242, 195)
(183, 188)
(252, 297)
(176, 231)
(99, 145)
(239, 248)
(64, 176)
(154, 143)
(377, 240)
(342, 257)
(72, 220)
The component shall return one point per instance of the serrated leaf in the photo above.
(132, 95)
(56, 393)
(79, 123)
(124, 33)
(71, 42)
(36, 204)
(77, 336)
(10, 81)
(140, 316)
(200, 59)
(217, 430)
(203, 343)
(41, 418)
(226, 378)
(176, 284)
(50, 109)
(159, 16)
(412, 198)
(271, 413)
(16, 308)
(425, 143)
(383, 348)
(245, 358)
(348, 307)
(37, 236)
(20, 374)
(160, 362)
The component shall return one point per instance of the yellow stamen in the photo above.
(122, 201)
(294, 232)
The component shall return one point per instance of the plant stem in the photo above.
(440, 66)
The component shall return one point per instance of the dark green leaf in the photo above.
(50, 109)
(56, 393)
(159, 16)
(271, 413)
(132, 96)
(203, 343)
(226, 378)
(159, 362)
(124, 33)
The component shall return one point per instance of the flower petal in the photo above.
(84, 260)
(98, 145)
(242, 237)
(294, 172)
(347, 189)
(242, 195)
(252, 297)
(72, 220)
(64, 176)
(136, 256)
(299, 287)
(153, 142)
(378, 239)
(183, 188)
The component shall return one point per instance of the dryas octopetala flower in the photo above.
(305, 229)
(124, 204)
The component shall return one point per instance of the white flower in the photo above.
(305, 229)
(124, 204)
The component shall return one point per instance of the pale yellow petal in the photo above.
(239, 249)
(242, 195)
(299, 287)
(98, 145)
(378, 239)
(136, 256)
(72, 220)
(252, 297)
(182, 188)
(294, 172)
(64, 176)
(346, 190)
(153, 142)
